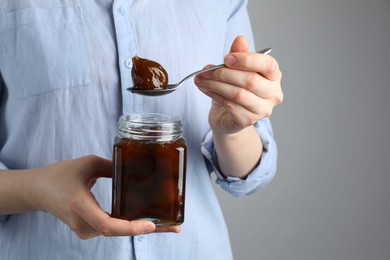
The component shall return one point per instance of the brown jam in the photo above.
(149, 179)
(148, 74)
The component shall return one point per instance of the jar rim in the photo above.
(150, 126)
(151, 118)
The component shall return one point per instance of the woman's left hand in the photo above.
(243, 92)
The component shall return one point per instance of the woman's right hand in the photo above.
(63, 189)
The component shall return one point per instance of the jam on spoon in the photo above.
(148, 74)
(156, 78)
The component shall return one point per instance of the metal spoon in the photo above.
(172, 87)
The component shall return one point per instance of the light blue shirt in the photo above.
(65, 66)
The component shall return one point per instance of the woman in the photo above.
(65, 68)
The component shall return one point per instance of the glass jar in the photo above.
(149, 169)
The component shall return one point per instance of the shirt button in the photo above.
(121, 11)
(140, 238)
(128, 63)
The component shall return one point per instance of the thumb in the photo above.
(240, 44)
(103, 167)
(94, 167)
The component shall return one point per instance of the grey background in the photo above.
(331, 196)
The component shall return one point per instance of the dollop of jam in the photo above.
(148, 74)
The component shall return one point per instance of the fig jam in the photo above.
(148, 74)
(149, 169)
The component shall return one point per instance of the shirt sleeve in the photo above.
(259, 177)
(239, 24)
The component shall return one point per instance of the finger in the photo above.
(235, 94)
(172, 229)
(103, 167)
(250, 81)
(119, 227)
(240, 44)
(239, 117)
(88, 210)
(83, 229)
(264, 64)
(226, 95)
(96, 166)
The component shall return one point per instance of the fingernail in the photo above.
(198, 80)
(147, 228)
(230, 59)
(206, 74)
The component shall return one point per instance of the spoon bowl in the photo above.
(173, 87)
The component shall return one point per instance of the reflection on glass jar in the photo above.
(149, 169)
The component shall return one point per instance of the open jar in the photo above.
(149, 169)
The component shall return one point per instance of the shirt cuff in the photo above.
(259, 177)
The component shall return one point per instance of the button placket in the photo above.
(127, 48)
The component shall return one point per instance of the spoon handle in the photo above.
(263, 51)
(201, 71)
